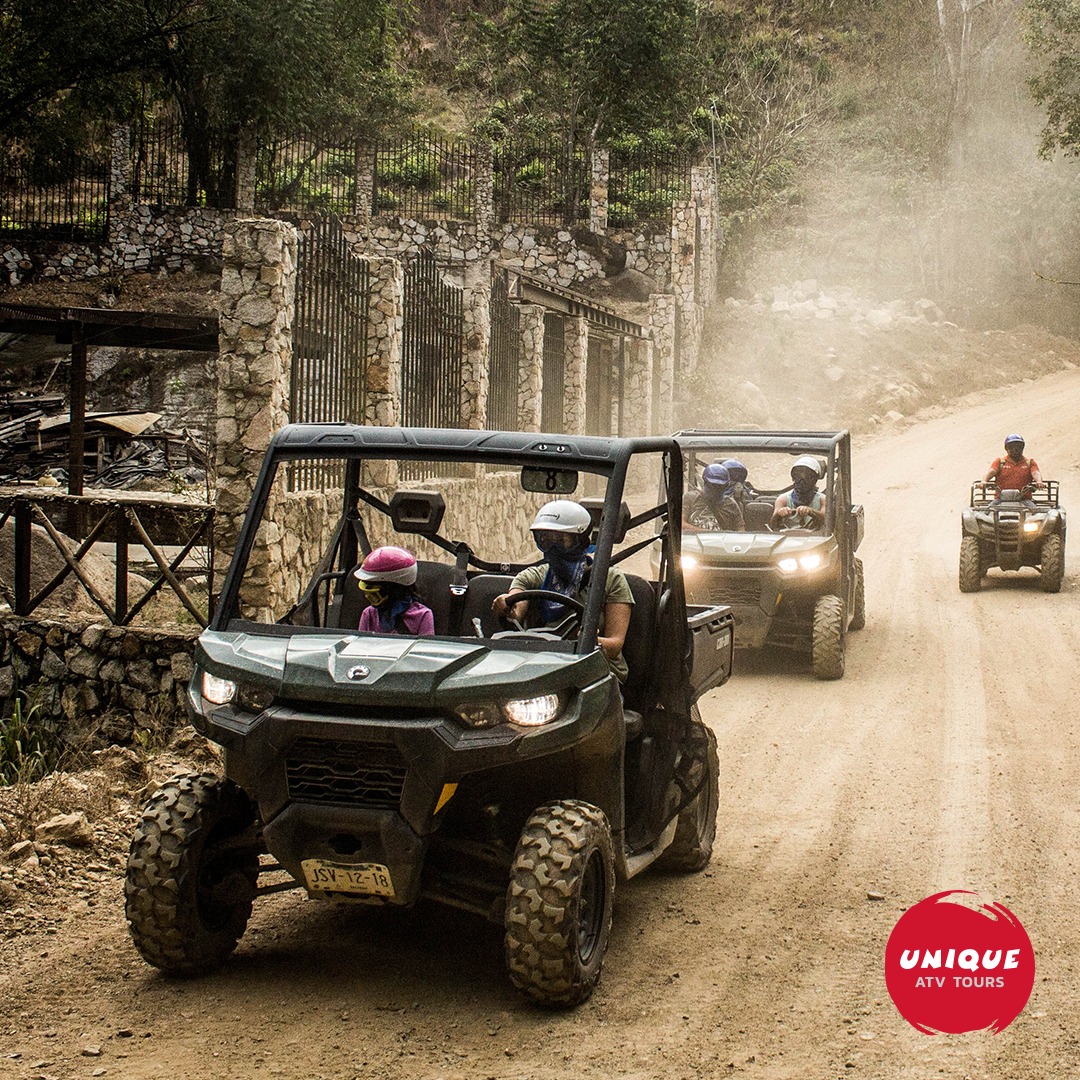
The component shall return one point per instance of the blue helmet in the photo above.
(716, 476)
(736, 470)
(1014, 439)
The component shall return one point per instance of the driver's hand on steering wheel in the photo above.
(785, 511)
(499, 604)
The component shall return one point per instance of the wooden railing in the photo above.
(120, 522)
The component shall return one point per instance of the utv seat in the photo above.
(757, 516)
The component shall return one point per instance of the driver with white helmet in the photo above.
(561, 531)
(803, 507)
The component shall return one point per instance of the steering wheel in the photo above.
(563, 630)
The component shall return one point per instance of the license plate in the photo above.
(367, 879)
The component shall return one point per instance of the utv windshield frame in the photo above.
(355, 444)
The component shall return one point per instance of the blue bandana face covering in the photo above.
(566, 571)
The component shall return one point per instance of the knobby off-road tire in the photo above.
(188, 899)
(559, 902)
(1052, 564)
(858, 608)
(827, 646)
(971, 570)
(691, 849)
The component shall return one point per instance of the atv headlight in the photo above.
(791, 564)
(527, 712)
(1032, 526)
(217, 691)
(689, 562)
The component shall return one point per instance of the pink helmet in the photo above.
(390, 564)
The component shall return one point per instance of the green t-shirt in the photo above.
(618, 592)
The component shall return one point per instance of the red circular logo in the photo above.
(953, 968)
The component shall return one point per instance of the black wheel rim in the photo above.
(591, 907)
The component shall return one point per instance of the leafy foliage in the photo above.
(27, 750)
(1054, 36)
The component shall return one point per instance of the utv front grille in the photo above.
(369, 775)
(718, 589)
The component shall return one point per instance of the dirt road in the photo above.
(946, 758)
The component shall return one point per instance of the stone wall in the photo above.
(93, 684)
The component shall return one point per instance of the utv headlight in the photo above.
(689, 562)
(790, 565)
(217, 691)
(532, 712)
(527, 712)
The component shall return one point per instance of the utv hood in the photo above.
(403, 671)
(741, 548)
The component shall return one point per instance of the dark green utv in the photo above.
(793, 584)
(494, 767)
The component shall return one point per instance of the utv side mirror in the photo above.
(858, 525)
(417, 511)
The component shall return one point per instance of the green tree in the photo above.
(232, 67)
(1054, 37)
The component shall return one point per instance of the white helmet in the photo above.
(562, 515)
(808, 462)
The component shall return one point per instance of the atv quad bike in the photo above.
(796, 588)
(1013, 530)
(494, 767)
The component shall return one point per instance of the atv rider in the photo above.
(561, 531)
(1014, 472)
(716, 508)
(803, 507)
(742, 491)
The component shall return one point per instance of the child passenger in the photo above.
(387, 578)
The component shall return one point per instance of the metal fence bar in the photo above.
(67, 199)
(644, 183)
(544, 183)
(422, 175)
(328, 375)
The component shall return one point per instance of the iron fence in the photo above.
(422, 175)
(308, 173)
(164, 173)
(63, 198)
(643, 184)
(505, 361)
(543, 183)
(329, 370)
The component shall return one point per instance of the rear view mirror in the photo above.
(549, 481)
(417, 512)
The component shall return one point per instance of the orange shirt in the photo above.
(1013, 475)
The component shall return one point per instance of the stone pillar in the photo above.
(363, 182)
(531, 371)
(662, 325)
(382, 356)
(638, 405)
(120, 182)
(120, 178)
(576, 344)
(703, 192)
(483, 188)
(598, 192)
(258, 285)
(246, 158)
(476, 345)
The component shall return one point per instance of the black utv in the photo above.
(793, 584)
(1010, 530)
(495, 767)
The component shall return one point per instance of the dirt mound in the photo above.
(822, 362)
